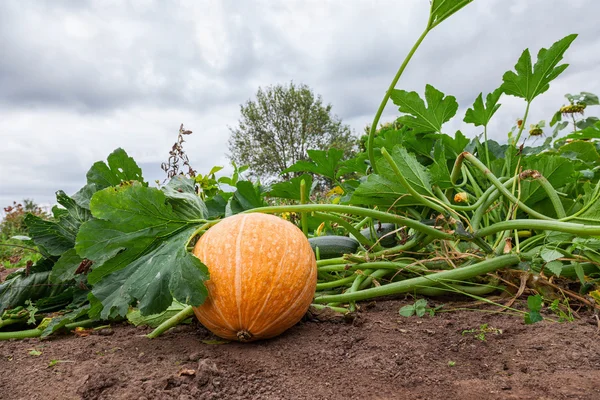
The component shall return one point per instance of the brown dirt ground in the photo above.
(379, 355)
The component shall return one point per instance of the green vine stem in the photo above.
(479, 290)
(413, 284)
(324, 307)
(472, 159)
(388, 93)
(37, 332)
(365, 212)
(390, 265)
(378, 274)
(558, 226)
(356, 284)
(550, 191)
(524, 120)
(175, 320)
(303, 216)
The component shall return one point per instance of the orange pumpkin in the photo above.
(263, 276)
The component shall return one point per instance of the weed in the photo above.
(479, 333)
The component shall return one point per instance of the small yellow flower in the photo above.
(461, 197)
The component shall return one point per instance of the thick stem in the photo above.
(550, 191)
(473, 160)
(388, 93)
(524, 120)
(37, 332)
(303, 216)
(324, 307)
(566, 227)
(487, 150)
(171, 322)
(410, 285)
(447, 289)
(365, 212)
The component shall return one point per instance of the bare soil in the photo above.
(378, 355)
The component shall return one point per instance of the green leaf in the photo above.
(534, 303)
(550, 254)
(407, 311)
(530, 81)
(325, 163)
(20, 287)
(135, 317)
(181, 195)
(587, 98)
(246, 197)
(456, 145)
(581, 150)
(421, 118)
(384, 188)
(137, 244)
(480, 114)
(440, 173)
(590, 132)
(557, 117)
(291, 189)
(58, 236)
(59, 322)
(443, 9)
(532, 317)
(216, 206)
(120, 168)
(588, 122)
(416, 174)
(357, 164)
(66, 266)
(557, 170)
(555, 267)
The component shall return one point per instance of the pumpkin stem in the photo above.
(244, 336)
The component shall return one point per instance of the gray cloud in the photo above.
(78, 79)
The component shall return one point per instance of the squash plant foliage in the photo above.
(118, 242)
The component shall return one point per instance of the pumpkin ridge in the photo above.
(214, 306)
(276, 281)
(238, 270)
(293, 305)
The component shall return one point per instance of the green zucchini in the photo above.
(333, 246)
(381, 230)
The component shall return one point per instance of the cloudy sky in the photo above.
(81, 78)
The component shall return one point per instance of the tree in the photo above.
(277, 129)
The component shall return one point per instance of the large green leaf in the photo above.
(24, 285)
(530, 81)
(246, 197)
(325, 163)
(439, 169)
(120, 168)
(481, 114)
(557, 170)
(58, 236)
(291, 189)
(581, 150)
(455, 145)
(181, 195)
(422, 118)
(64, 269)
(384, 187)
(137, 233)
